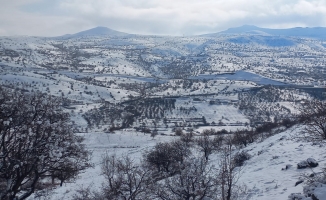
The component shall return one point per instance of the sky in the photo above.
(155, 17)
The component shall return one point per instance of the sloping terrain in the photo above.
(271, 172)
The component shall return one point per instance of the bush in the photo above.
(178, 132)
(223, 131)
(114, 128)
(240, 158)
(166, 157)
(145, 130)
(288, 122)
(267, 127)
(243, 137)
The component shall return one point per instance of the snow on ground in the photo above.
(290, 105)
(262, 175)
(120, 143)
(224, 112)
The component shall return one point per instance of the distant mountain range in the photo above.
(314, 32)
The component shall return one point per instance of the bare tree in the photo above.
(229, 173)
(208, 145)
(187, 138)
(36, 141)
(124, 179)
(313, 114)
(194, 182)
(243, 137)
(165, 157)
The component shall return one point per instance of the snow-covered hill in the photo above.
(271, 172)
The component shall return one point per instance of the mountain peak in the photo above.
(249, 26)
(242, 29)
(97, 31)
(100, 30)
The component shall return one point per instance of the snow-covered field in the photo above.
(120, 143)
(262, 175)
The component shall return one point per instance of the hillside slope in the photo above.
(263, 173)
(262, 176)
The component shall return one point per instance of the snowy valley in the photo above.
(243, 93)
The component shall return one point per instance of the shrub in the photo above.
(165, 157)
(240, 157)
(178, 132)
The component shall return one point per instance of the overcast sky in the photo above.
(161, 17)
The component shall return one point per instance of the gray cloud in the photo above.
(171, 17)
